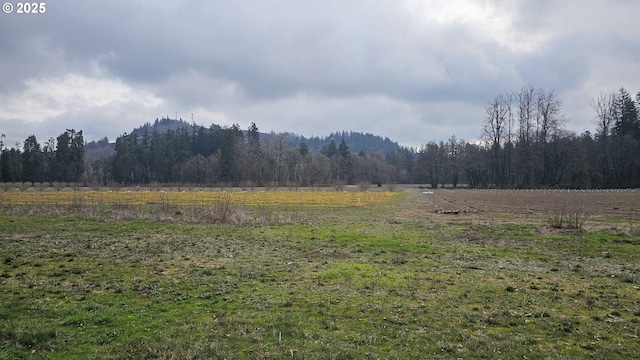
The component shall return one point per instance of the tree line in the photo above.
(227, 155)
(524, 144)
(527, 145)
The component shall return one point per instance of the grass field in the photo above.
(454, 274)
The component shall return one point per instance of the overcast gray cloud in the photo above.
(411, 70)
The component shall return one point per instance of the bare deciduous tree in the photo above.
(498, 113)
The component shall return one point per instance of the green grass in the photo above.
(319, 283)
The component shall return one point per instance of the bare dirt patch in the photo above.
(617, 203)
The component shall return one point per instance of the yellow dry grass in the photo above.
(196, 198)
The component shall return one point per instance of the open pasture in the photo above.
(454, 274)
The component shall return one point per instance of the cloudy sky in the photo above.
(411, 70)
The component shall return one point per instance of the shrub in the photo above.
(364, 186)
(561, 215)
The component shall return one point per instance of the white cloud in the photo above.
(490, 20)
(70, 101)
(46, 98)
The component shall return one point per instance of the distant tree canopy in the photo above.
(227, 155)
(59, 160)
(524, 145)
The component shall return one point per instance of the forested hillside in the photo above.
(358, 142)
(228, 155)
(525, 144)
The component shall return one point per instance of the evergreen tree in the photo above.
(343, 149)
(252, 166)
(253, 137)
(123, 161)
(228, 139)
(69, 156)
(331, 150)
(303, 149)
(627, 122)
(345, 169)
(32, 161)
(49, 151)
(11, 165)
